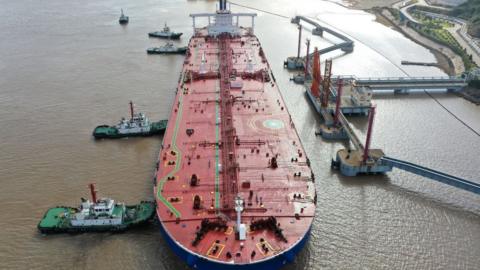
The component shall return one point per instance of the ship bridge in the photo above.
(223, 21)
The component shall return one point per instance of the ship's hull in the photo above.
(83, 229)
(119, 136)
(203, 263)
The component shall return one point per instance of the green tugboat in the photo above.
(137, 125)
(103, 215)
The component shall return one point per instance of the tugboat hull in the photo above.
(161, 35)
(158, 51)
(57, 220)
(111, 132)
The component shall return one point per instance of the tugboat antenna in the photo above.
(93, 191)
(131, 109)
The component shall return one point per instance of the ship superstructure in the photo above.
(102, 212)
(234, 187)
(138, 123)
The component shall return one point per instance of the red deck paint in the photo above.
(229, 116)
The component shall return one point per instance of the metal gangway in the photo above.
(350, 133)
(432, 174)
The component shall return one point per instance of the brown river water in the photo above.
(67, 66)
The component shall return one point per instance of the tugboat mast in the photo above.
(131, 110)
(93, 191)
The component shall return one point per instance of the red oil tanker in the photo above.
(234, 188)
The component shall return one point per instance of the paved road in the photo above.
(403, 6)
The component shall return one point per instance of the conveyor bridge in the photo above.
(346, 45)
(432, 174)
(404, 84)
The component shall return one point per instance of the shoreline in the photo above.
(470, 94)
(447, 60)
(444, 61)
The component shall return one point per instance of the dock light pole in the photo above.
(339, 100)
(307, 59)
(131, 109)
(299, 40)
(93, 192)
(371, 116)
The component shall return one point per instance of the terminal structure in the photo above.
(329, 98)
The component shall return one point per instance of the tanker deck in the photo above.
(234, 189)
